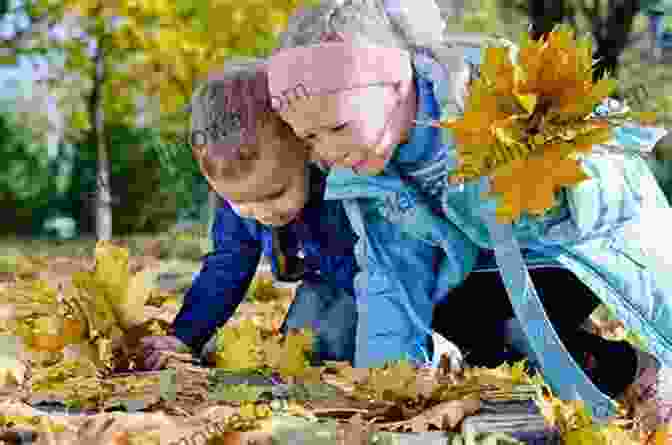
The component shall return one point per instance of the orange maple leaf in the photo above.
(529, 185)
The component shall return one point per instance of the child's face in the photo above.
(350, 128)
(275, 190)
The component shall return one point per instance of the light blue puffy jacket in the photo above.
(609, 231)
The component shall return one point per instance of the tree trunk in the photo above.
(458, 9)
(612, 35)
(544, 15)
(103, 189)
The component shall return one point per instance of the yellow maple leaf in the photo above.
(529, 58)
(518, 374)
(589, 435)
(499, 70)
(646, 117)
(584, 143)
(238, 347)
(125, 293)
(12, 371)
(295, 349)
(530, 184)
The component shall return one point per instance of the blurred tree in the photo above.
(25, 31)
(30, 108)
(120, 49)
(143, 197)
(90, 58)
(26, 187)
(177, 43)
(544, 15)
(610, 23)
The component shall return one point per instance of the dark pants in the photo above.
(474, 314)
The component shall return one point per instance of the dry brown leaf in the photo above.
(355, 375)
(452, 413)
(12, 372)
(444, 416)
(355, 432)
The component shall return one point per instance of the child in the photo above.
(357, 113)
(272, 198)
(263, 174)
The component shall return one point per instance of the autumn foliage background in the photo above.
(98, 137)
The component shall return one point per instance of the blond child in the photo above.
(364, 92)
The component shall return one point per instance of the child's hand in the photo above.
(154, 347)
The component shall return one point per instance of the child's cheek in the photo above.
(370, 136)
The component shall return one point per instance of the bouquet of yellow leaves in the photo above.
(526, 122)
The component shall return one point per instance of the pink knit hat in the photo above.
(330, 67)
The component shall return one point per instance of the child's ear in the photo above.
(197, 151)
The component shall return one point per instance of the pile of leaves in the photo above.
(527, 122)
(76, 337)
(399, 397)
(70, 338)
(100, 313)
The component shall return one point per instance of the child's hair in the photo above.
(359, 19)
(390, 23)
(227, 112)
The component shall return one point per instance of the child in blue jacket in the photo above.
(245, 224)
(364, 88)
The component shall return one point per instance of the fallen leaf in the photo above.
(355, 432)
(448, 414)
(12, 371)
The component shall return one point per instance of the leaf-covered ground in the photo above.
(78, 371)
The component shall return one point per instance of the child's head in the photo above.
(357, 112)
(352, 114)
(247, 153)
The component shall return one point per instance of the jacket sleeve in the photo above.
(222, 282)
(400, 273)
(621, 185)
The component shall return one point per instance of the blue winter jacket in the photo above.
(238, 245)
(609, 231)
